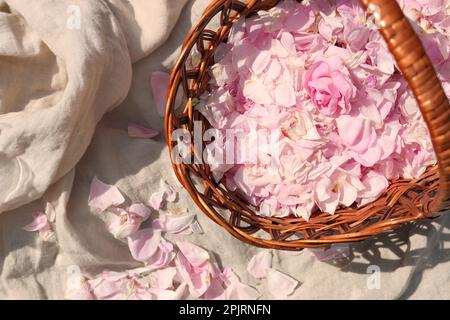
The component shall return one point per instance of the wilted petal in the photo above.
(198, 278)
(216, 290)
(80, 290)
(110, 286)
(163, 256)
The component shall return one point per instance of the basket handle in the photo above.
(418, 71)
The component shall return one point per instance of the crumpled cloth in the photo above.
(73, 74)
(64, 64)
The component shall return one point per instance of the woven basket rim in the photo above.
(405, 200)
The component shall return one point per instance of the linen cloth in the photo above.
(73, 74)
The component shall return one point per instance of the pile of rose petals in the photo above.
(321, 118)
(169, 271)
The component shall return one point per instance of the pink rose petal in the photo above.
(39, 222)
(197, 278)
(164, 278)
(137, 131)
(173, 223)
(159, 82)
(125, 224)
(337, 251)
(194, 254)
(141, 210)
(170, 294)
(166, 193)
(144, 244)
(163, 256)
(104, 196)
(110, 286)
(156, 200)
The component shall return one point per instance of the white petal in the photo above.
(260, 264)
(279, 284)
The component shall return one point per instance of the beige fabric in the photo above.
(56, 83)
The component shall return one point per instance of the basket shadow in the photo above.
(397, 244)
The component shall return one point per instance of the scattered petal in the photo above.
(260, 264)
(82, 291)
(156, 200)
(194, 254)
(163, 256)
(39, 222)
(164, 278)
(170, 294)
(141, 210)
(103, 196)
(279, 284)
(173, 224)
(137, 131)
(125, 223)
(159, 83)
(236, 290)
(337, 251)
(144, 244)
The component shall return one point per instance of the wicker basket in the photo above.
(404, 200)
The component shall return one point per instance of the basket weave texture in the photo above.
(404, 201)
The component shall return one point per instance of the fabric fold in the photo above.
(63, 65)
